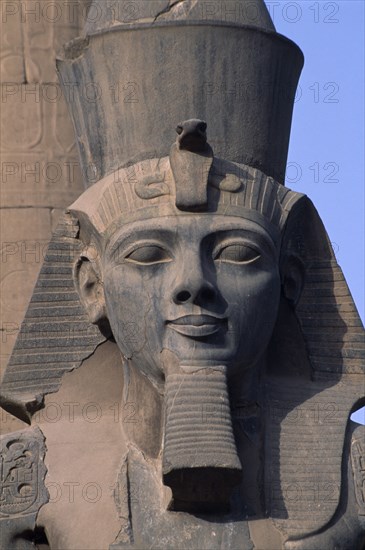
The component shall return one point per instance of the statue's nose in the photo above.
(194, 287)
(205, 294)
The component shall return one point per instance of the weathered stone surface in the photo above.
(12, 68)
(55, 318)
(32, 32)
(22, 486)
(56, 214)
(108, 13)
(191, 350)
(157, 61)
(24, 239)
(82, 425)
(38, 167)
(8, 422)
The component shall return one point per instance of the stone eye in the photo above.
(148, 255)
(237, 254)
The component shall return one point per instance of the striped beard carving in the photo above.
(200, 461)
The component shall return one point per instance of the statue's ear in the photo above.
(292, 278)
(89, 286)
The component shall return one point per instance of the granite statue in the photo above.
(191, 354)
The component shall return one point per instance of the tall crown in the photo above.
(142, 66)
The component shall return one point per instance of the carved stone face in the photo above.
(204, 287)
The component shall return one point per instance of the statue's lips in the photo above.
(197, 325)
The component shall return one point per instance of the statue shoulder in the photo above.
(347, 528)
(358, 466)
(22, 488)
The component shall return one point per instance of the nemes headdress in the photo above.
(133, 77)
(190, 180)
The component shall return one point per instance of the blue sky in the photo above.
(326, 155)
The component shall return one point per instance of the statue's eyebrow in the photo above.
(125, 238)
(263, 241)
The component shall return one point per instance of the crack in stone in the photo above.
(168, 8)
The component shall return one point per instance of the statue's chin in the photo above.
(200, 461)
